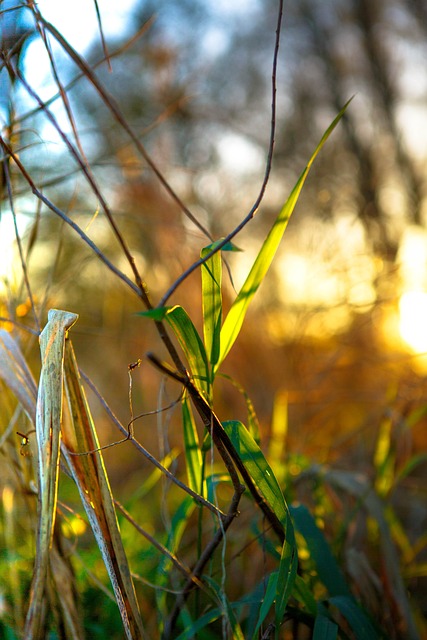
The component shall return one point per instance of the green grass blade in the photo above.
(190, 631)
(189, 340)
(327, 567)
(263, 476)
(192, 346)
(212, 302)
(287, 574)
(356, 618)
(324, 629)
(304, 594)
(236, 315)
(227, 609)
(179, 523)
(258, 467)
(193, 454)
(267, 602)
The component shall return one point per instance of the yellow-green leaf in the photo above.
(235, 317)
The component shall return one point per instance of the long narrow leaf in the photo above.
(212, 302)
(357, 619)
(48, 429)
(235, 317)
(18, 378)
(193, 455)
(327, 567)
(258, 467)
(267, 602)
(189, 340)
(92, 482)
(324, 629)
(227, 608)
(263, 476)
(287, 574)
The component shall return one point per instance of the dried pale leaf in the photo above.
(16, 375)
(63, 579)
(91, 478)
(48, 427)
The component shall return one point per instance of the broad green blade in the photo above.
(178, 525)
(258, 467)
(193, 455)
(327, 567)
(304, 594)
(287, 574)
(212, 302)
(227, 608)
(356, 618)
(90, 476)
(263, 476)
(234, 320)
(190, 631)
(157, 314)
(48, 431)
(189, 340)
(360, 487)
(191, 345)
(267, 602)
(324, 629)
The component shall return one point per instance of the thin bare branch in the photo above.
(263, 188)
(6, 174)
(207, 554)
(113, 107)
(225, 447)
(85, 168)
(101, 33)
(101, 255)
(148, 455)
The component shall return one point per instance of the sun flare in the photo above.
(413, 320)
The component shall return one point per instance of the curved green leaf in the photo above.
(356, 617)
(189, 340)
(227, 608)
(157, 314)
(263, 476)
(192, 346)
(212, 302)
(327, 567)
(234, 320)
(193, 455)
(324, 629)
(267, 602)
(256, 464)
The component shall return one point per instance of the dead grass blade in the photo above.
(16, 374)
(62, 595)
(48, 426)
(91, 478)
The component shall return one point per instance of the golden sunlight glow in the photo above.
(413, 320)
